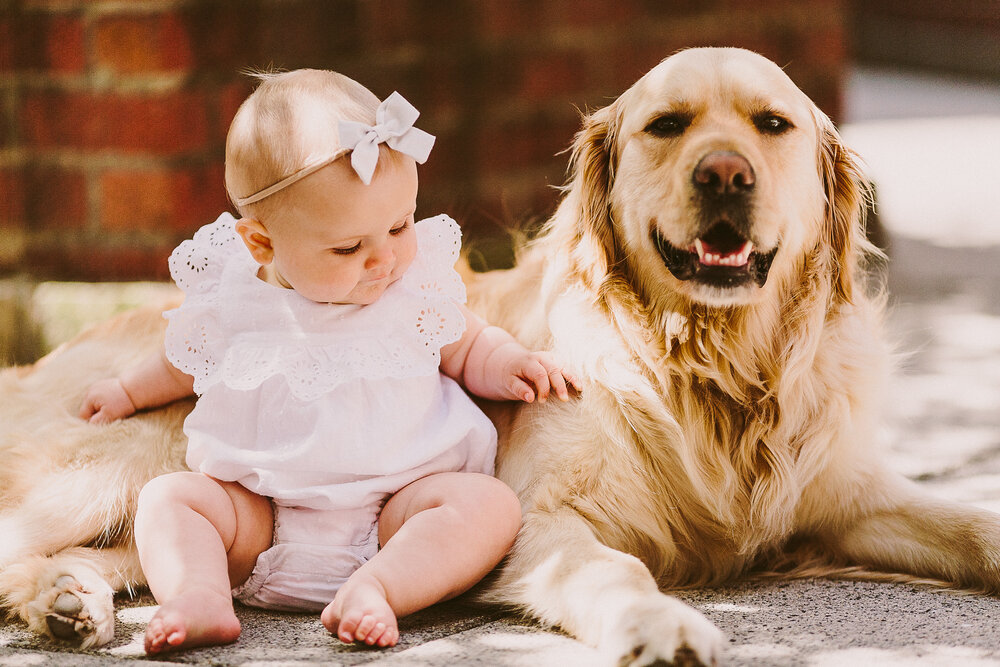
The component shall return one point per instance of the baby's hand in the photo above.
(541, 370)
(105, 402)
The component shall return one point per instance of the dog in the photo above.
(705, 276)
(708, 277)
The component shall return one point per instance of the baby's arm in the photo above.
(490, 363)
(152, 383)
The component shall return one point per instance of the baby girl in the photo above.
(338, 465)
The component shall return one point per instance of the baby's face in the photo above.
(343, 241)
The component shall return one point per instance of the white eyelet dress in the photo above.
(326, 409)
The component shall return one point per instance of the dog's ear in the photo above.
(847, 196)
(592, 168)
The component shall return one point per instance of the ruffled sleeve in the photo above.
(195, 339)
(433, 279)
(196, 264)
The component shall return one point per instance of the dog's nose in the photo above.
(724, 172)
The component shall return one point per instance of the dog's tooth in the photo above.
(700, 248)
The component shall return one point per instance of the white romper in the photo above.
(327, 409)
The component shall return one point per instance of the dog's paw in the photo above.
(81, 612)
(662, 631)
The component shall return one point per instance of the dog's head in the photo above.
(715, 175)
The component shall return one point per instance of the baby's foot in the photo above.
(360, 613)
(194, 618)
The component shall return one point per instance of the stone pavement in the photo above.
(943, 429)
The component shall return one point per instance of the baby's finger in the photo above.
(573, 380)
(539, 376)
(556, 374)
(100, 417)
(520, 389)
(558, 381)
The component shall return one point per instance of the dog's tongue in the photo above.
(710, 255)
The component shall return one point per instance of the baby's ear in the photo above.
(257, 240)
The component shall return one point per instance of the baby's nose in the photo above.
(381, 255)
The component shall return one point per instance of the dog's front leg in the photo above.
(604, 597)
(899, 527)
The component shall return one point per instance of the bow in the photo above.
(394, 120)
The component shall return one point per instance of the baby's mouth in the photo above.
(722, 257)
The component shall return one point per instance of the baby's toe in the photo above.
(347, 629)
(365, 628)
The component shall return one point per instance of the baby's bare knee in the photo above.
(491, 504)
(188, 489)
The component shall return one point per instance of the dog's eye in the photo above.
(669, 125)
(771, 123)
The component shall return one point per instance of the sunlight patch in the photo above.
(926, 656)
(137, 615)
(729, 606)
(23, 660)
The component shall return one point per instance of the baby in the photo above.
(340, 466)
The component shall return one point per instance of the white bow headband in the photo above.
(394, 120)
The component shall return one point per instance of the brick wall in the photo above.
(113, 113)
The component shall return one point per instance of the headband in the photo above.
(393, 126)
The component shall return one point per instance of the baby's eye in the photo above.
(347, 251)
(399, 229)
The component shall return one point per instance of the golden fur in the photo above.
(721, 430)
(68, 489)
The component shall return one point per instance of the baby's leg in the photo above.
(440, 535)
(196, 535)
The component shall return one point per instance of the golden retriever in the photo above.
(704, 276)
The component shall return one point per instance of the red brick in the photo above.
(199, 196)
(64, 44)
(165, 124)
(12, 201)
(8, 119)
(174, 200)
(138, 200)
(37, 41)
(6, 43)
(55, 198)
(142, 43)
(228, 101)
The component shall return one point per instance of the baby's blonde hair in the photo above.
(289, 120)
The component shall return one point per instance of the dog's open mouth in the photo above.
(721, 258)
